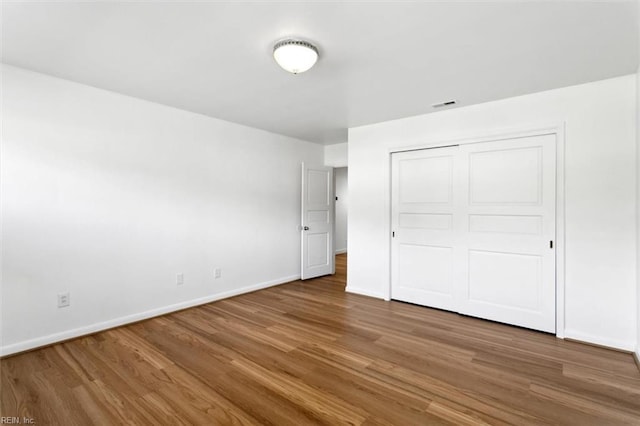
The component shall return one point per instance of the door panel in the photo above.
(472, 226)
(527, 225)
(504, 176)
(317, 222)
(316, 249)
(423, 246)
(426, 180)
(426, 269)
(317, 187)
(509, 268)
(425, 221)
(507, 280)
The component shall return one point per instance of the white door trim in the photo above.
(557, 129)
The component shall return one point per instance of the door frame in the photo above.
(557, 129)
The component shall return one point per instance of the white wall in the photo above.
(109, 197)
(638, 208)
(336, 155)
(638, 191)
(342, 207)
(600, 195)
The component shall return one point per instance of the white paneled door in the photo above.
(474, 229)
(317, 222)
(424, 240)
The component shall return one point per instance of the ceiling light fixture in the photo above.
(294, 55)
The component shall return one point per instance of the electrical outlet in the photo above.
(218, 273)
(64, 299)
(179, 279)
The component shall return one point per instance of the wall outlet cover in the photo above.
(64, 299)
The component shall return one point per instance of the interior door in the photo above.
(318, 256)
(424, 240)
(473, 229)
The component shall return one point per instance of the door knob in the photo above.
(306, 228)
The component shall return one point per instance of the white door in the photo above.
(424, 239)
(508, 268)
(501, 230)
(317, 222)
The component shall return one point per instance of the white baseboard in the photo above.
(600, 341)
(116, 322)
(364, 292)
(341, 251)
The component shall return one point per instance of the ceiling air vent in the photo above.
(444, 104)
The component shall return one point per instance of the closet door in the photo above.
(508, 270)
(474, 228)
(424, 240)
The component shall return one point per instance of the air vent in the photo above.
(444, 104)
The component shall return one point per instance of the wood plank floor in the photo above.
(309, 353)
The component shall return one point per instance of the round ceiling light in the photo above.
(295, 56)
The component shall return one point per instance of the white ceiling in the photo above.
(379, 60)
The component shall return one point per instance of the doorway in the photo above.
(341, 179)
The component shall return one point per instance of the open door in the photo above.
(318, 256)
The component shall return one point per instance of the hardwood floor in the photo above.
(309, 353)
